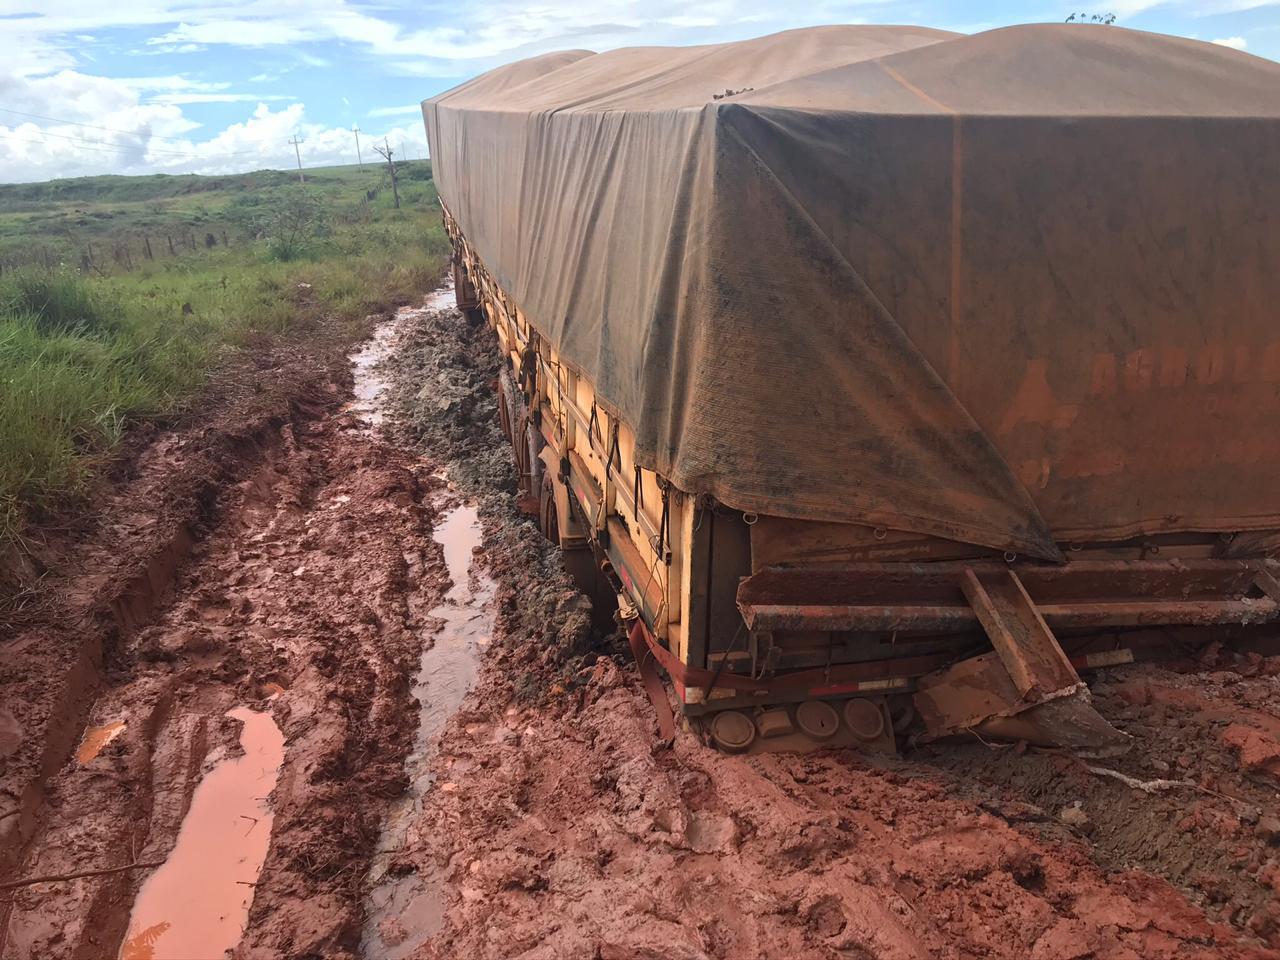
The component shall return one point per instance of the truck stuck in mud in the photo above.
(890, 377)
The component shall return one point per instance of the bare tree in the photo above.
(387, 153)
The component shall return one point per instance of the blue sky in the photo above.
(138, 86)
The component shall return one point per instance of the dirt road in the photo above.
(286, 596)
(246, 682)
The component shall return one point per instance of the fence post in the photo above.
(172, 252)
(146, 243)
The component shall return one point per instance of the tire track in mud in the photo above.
(310, 598)
(107, 572)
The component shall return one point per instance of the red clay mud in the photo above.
(573, 834)
(305, 565)
(276, 557)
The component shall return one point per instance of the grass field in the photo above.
(95, 334)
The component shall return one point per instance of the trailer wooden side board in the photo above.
(791, 634)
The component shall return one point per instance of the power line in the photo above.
(91, 126)
(111, 146)
(104, 148)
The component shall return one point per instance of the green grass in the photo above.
(84, 354)
(60, 221)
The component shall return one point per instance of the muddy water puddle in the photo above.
(370, 386)
(196, 904)
(96, 739)
(404, 911)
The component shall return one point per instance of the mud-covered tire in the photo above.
(504, 408)
(520, 448)
(548, 512)
(527, 445)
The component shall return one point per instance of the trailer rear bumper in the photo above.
(1026, 687)
(1085, 594)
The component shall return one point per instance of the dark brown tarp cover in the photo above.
(1005, 288)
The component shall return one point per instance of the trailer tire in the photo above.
(548, 513)
(732, 731)
(504, 408)
(528, 444)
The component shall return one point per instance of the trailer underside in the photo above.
(777, 636)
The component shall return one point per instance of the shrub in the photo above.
(58, 303)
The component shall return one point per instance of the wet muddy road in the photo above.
(315, 688)
(242, 748)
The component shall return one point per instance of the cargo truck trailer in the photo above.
(892, 377)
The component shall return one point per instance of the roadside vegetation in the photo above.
(121, 296)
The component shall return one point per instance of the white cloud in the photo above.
(218, 98)
(108, 125)
(241, 33)
(174, 83)
(168, 48)
(408, 108)
(1235, 43)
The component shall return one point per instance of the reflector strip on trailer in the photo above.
(861, 686)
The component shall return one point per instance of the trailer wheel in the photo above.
(548, 513)
(504, 408)
(528, 444)
(733, 731)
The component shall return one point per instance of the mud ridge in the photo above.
(1212, 724)
(97, 590)
(443, 402)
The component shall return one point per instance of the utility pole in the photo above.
(295, 141)
(386, 151)
(355, 128)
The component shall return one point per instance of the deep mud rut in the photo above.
(244, 709)
(249, 685)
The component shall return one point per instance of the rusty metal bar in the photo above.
(892, 583)
(1020, 636)
(1267, 582)
(1145, 613)
(1058, 616)
(781, 616)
